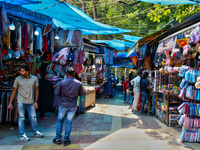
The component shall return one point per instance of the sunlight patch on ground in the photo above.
(113, 110)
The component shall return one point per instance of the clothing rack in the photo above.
(7, 115)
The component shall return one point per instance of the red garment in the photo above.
(125, 85)
(4, 51)
(45, 42)
(49, 56)
(25, 37)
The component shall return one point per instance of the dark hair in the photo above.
(145, 75)
(139, 72)
(153, 74)
(126, 77)
(25, 67)
(44, 74)
(70, 71)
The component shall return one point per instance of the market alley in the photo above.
(108, 125)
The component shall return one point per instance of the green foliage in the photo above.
(143, 18)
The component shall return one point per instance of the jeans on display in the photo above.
(32, 116)
(69, 114)
(153, 104)
(128, 97)
(144, 97)
(136, 99)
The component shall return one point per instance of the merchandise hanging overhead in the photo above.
(71, 16)
(170, 2)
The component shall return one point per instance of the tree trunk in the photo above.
(94, 2)
(84, 10)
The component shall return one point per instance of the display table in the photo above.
(89, 97)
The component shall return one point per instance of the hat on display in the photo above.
(198, 48)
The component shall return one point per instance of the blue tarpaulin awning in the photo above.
(19, 2)
(116, 44)
(170, 2)
(124, 54)
(71, 16)
(131, 38)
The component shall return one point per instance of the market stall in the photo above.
(177, 82)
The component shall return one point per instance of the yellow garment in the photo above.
(6, 40)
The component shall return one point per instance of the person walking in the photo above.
(26, 85)
(114, 84)
(125, 85)
(108, 88)
(144, 84)
(44, 88)
(69, 90)
(136, 83)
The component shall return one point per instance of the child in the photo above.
(125, 85)
(128, 94)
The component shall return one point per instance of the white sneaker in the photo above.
(24, 138)
(39, 134)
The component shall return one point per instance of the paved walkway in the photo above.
(109, 125)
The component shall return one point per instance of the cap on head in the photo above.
(126, 77)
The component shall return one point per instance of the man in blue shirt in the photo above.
(68, 90)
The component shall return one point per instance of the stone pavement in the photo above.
(108, 125)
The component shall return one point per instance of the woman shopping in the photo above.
(144, 84)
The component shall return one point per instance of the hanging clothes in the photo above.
(49, 41)
(25, 37)
(52, 41)
(45, 43)
(30, 38)
(79, 56)
(75, 38)
(13, 38)
(5, 20)
(63, 38)
(39, 39)
(6, 39)
(19, 36)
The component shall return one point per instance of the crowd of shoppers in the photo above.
(141, 89)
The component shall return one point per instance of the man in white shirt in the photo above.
(136, 83)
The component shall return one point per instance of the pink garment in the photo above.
(62, 55)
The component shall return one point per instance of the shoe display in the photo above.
(39, 134)
(67, 143)
(55, 141)
(24, 138)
